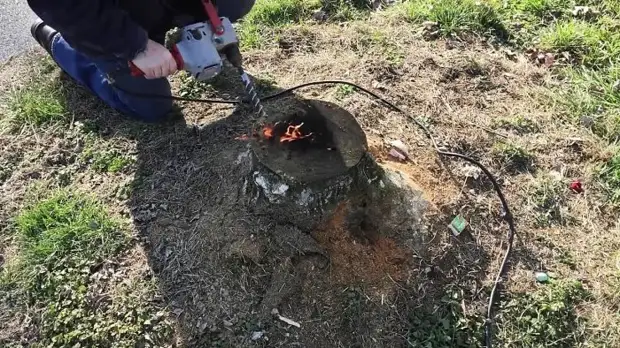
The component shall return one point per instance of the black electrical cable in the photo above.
(507, 214)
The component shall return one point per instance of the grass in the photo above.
(269, 15)
(513, 157)
(343, 91)
(592, 45)
(609, 174)
(545, 318)
(63, 240)
(455, 17)
(377, 42)
(543, 9)
(548, 198)
(345, 10)
(519, 124)
(594, 94)
(67, 274)
(36, 105)
(106, 160)
(190, 87)
(65, 227)
(445, 326)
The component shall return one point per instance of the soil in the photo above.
(354, 260)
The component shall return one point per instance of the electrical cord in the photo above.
(507, 214)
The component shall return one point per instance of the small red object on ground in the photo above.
(576, 187)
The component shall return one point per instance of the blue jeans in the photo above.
(98, 74)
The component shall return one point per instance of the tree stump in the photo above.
(313, 159)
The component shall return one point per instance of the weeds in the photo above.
(190, 87)
(61, 277)
(585, 43)
(547, 197)
(106, 161)
(595, 94)
(281, 12)
(345, 10)
(377, 42)
(609, 174)
(271, 14)
(445, 326)
(343, 91)
(36, 105)
(514, 158)
(455, 17)
(265, 84)
(64, 229)
(544, 9)
(546, 317)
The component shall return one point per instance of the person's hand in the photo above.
(155, 61)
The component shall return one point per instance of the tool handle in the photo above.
(214, 18)
(136, 72)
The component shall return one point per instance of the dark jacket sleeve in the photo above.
(99, 25)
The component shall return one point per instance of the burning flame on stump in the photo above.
(292, 133)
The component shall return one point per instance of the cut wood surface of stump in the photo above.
(302, 181)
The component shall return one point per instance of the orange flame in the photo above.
(293, 133)
(268, 130)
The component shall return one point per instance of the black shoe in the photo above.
(44, 34)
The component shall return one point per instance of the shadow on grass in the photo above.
(222, 270)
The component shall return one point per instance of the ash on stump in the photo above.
(313, 159)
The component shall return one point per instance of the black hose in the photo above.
(507, 214)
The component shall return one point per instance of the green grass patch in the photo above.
(60, 280)
(592, 45)
(547, 197)
(456, 16)
(343, 91)
(594, 94)
(265, 84)
(66, 228)
(513, 157)
(546, 317)
(374, 41)
(445, 325)
(281, 12)
(189, 87)
(609, 175)
(346, 10)
(543, 9)
(269, 15)
(106, 160)
(36, 105)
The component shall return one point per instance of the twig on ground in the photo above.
(289, 321)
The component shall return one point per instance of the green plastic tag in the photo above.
(457, 225)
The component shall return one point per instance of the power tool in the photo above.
(200, 49)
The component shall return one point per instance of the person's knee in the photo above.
(155, 111)
(146, 100)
